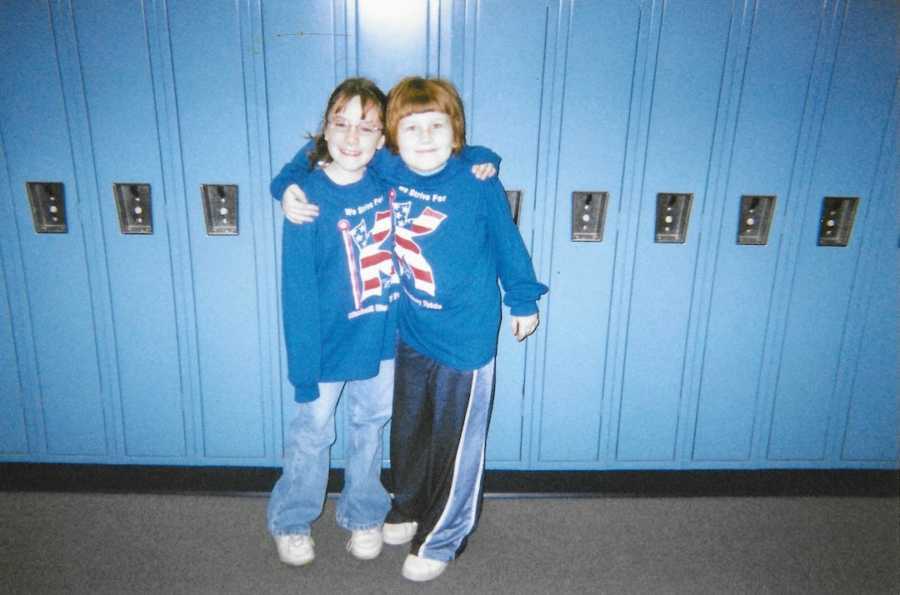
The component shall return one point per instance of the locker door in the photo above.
(685, 91)
(857, 108)
(871, 429)
(118, 83)
(38, 146)
(763, 163)
(504, 112)
(305, 59)
(598, 82)
(209, 44)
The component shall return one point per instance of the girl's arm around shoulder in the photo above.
(476, 154)
(286, 187)
(484, 163)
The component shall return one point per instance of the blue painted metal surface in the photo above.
(121, 107)
(167, 349)
(598, 85)
(685, 89)
(212, 121)
(61, 324)
(496, 119)
(761, 159)
(854, 122)
(13, 438)
(306, 55)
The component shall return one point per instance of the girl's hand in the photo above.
(295, 206)
(522, 326)
(483, 171)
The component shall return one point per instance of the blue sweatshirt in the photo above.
(338, 283)
(454, 237)
(474, 241)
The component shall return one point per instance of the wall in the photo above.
(165, 348)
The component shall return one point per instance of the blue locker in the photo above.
(766, 142)
(14, 436)
(166, 348)
(209, 46)
(308, 52)
(122, 109)
(61, 325)
(508, 122)
(857, 108)
(599, 78)
(685, 88)
(870, 426)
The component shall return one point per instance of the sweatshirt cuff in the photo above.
(304, 393)
(525, 309)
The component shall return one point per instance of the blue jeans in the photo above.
(299, 495)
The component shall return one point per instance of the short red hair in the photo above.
(416, 95)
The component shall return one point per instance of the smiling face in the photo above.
(425, 141)
(425, 123)
(353, 136)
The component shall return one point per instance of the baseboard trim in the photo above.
(50, 477)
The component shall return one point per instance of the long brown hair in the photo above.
(369, 95)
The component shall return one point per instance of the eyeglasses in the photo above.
(364, 129)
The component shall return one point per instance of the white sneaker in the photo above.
(365, 544)
(422, 569)
(295, 550)
(399, 533)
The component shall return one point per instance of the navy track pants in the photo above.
(438, 437)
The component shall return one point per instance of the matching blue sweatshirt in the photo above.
(452, 237)
(338, 285)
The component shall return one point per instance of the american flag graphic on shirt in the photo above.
(408, 251)
(370, 266)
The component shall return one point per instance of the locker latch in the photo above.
(588, 216)
(836, 222)
(220, 208)
(673, 212)
(755, 220)
(134, 208)
(48, 206)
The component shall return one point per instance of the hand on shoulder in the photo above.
(484, 171)
(297, 209)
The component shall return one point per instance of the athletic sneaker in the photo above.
(420, 569)
(295, 550)
(365, 544)
(399, 533)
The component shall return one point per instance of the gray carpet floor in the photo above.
(96, 543)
